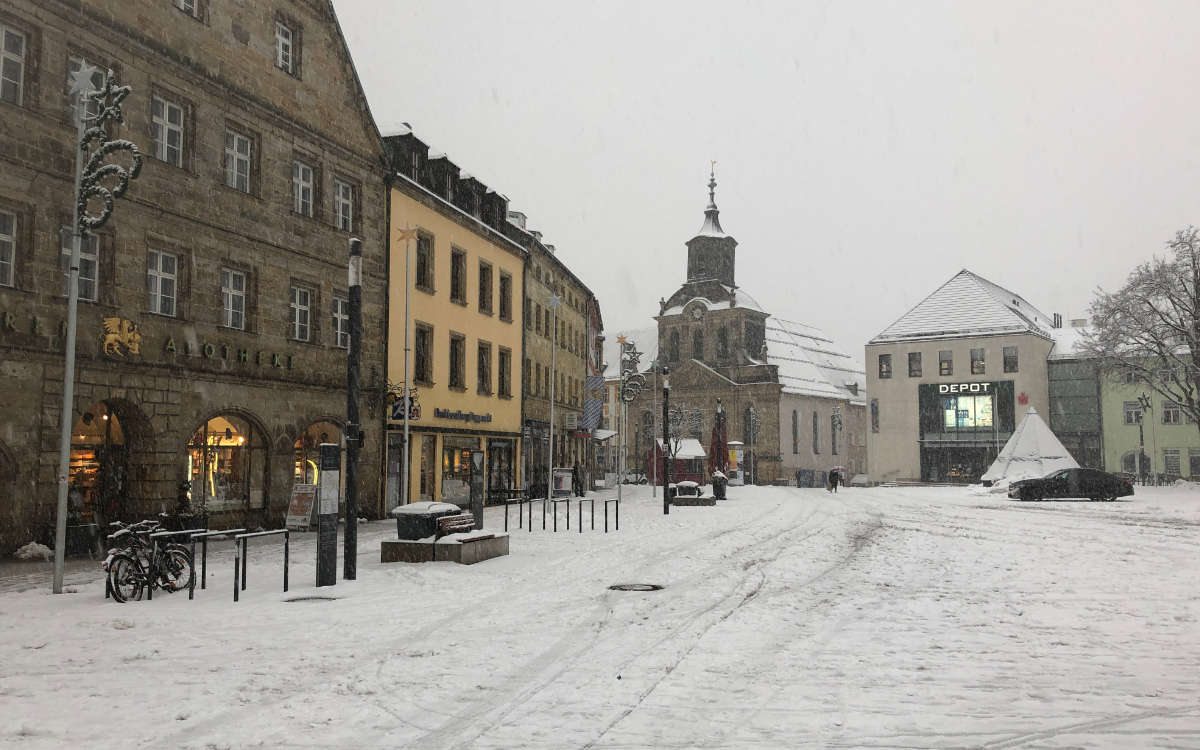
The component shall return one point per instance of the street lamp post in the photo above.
(353, 428)
(753, 439)
(405, 235)
(553, 304)
(666, 475)
(1146, 405)
(104, 182)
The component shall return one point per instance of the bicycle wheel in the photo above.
(176, 571)
(125, 578)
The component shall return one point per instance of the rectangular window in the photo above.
(1193, 462)
(458, 276)
(914, 364)
(343, 205)
(885, 366)
(8, 248)
(302, 188)
(722, 343)
(1010, 359)
(301, 306)
(238, 153)
(424, 262)
(233, 299)
(816, 430)
(161, 270)
(341, 323)
(504, 372)
(967, 412)
(1171, 461)
(977, 363)
(945, 362)
(90, 107)
(483, 368)
(89, 264)
(795, 431)
(1132, 411)
(505, 296)
(166, 119)
(526, 374)
(528, 310)
(538, 317)
(458, 365)
(283, 47)
(12, 64)
(485, 287)
(1171, 414)
(422, 354)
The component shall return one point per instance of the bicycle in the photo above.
(137, 563)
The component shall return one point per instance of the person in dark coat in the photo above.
(834, 477)
(576, 480)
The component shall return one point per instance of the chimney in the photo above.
(517, 219)
(1057, 321)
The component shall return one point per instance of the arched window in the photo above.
(227, 465)
(816, 434)
(722, 343)
(674, 350)
(698, 344)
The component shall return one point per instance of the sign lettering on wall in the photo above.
(946, 388)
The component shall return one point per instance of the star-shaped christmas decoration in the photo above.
(622, 340)
(406, 233)
(81, 80)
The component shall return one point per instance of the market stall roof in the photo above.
(599, 434)
(688, 448)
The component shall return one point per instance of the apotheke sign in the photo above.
(948, 388)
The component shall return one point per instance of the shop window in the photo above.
(307, 451)
(1171, 414)
(500, 474)
(423, 354)
(485, 287)
(98, 466)
(483, 368)
(914, 364)
(458, 276)
(504, 372)
(226, 465)
(458, 366)
(456, 468)
(424, 280)
(428, 465)
(977, 362)
(1010, 359)
(505, 297)
(945, 362)
(965, 412)
(885, 366)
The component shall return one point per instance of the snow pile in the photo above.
(1032, 451)
(34, 551)
(424, 508)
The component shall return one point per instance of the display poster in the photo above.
(301, 507)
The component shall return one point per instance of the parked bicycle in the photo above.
(135, 563)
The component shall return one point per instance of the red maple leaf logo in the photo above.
(1022, 399)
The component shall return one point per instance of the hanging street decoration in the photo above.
(101, 180)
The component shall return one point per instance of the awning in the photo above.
(602, 434)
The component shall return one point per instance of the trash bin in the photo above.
(419, 520)
(719, 480)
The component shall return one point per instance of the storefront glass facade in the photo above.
(963, 427)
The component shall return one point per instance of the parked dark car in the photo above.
(1090, 483)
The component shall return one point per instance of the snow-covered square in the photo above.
(885, 617)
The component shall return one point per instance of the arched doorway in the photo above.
(307, 450)
(227, 465)
(99, 467)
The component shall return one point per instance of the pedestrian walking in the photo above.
(834, 477)
(576, 480)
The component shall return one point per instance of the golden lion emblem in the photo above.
(118, 333)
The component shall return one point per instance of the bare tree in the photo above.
(1148, 331)
(682, 420)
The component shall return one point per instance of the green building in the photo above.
(1170, 440)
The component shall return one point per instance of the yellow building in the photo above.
(465, 332)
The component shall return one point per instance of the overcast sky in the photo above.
(865, 151)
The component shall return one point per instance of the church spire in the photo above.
(712, 221)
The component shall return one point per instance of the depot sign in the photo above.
(949, 388)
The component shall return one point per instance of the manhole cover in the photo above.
(635, 587)
(312, 599)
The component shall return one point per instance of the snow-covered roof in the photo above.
(1032, 451)
(810, 363)
(645, 340)
(740, 299)
(437, 155)
(399, 129)
(688, 448)
(967, 304)
(1066, 342)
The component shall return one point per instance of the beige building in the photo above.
(949, 380)
(213, 314)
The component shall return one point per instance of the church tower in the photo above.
(711, 253)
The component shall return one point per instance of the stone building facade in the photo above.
(767, 371)
(572, 325)
(213, 321)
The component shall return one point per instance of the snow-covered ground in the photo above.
(884, 617)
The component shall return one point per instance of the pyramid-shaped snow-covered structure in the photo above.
(1032, 451)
